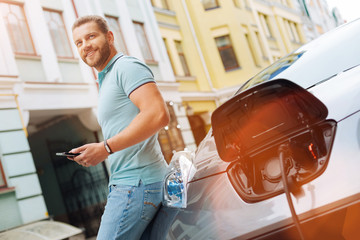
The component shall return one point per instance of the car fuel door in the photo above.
(273, 128)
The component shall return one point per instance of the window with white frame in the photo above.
(17, 27)
(143, 41)
(58, 33)
(119, 38)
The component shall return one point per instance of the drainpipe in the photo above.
(208, 78)
(306, 10)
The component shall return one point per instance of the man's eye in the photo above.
(91, 36)
(78, 44)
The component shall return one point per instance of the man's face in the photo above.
(93, 45)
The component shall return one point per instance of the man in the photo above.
(131, 111)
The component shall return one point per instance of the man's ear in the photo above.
(110, 36)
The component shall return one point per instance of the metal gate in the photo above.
(84, 190)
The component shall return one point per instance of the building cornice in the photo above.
(168, 86)
(56, 86)
(221, 94)
(7, 82)
(164, 11)
(168, 25)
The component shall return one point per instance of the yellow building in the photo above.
(216, 45)
(281, 25)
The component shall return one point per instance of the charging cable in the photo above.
(283, 149)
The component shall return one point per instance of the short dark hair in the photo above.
(100, 21)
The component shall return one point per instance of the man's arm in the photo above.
(152, 117)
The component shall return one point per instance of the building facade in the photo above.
(317, 17)
(216, 45)
(48, 104)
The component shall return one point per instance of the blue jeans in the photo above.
(128, 210)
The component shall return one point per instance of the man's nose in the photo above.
(87, 45)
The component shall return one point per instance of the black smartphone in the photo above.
(67, 154)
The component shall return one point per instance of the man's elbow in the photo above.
(158, 115)
(165, 118)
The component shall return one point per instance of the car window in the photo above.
(274, 70)
(326, 56)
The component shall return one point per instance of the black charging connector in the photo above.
(290, 186)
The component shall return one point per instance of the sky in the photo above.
(349, 9)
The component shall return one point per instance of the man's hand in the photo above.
(91, 154)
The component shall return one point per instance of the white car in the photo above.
(282, 160)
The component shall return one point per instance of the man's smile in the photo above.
(90, 54)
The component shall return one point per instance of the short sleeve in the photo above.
(133, 74)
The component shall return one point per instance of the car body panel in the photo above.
(327, 206)
(344, 99)
(207, 161)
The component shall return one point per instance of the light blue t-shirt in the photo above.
(143, 161)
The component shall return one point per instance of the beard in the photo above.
(104, 55)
